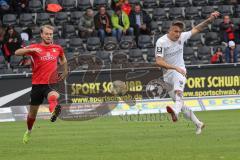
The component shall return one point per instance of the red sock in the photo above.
(52, 100)
(30, 122)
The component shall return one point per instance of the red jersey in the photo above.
(44, 64)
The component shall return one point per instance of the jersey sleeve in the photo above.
(30, 46)
(159, 50)
(186, 35)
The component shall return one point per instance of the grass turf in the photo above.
(114, 138)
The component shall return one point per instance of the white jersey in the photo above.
(170, 51)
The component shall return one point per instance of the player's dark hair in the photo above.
(179, 24)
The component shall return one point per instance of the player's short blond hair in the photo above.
(46, 26)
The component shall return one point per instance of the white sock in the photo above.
(188, 114)
(178, 103)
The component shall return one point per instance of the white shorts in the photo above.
(176, 80)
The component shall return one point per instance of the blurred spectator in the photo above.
(140, 21)
(103, 24)
(86, 25)
(121, 24)
(2, 32)
(231, 53)
(4, 7)
(217, 57)
(227, 29)
(231, 1)
(126, 7)
(11, 42)
(20, 6)
(116, 3)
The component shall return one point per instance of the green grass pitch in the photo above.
(111, 138)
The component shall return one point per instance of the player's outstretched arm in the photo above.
(200, 27)
(160, 62)
(23, 51)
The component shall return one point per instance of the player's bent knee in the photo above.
(53, 94)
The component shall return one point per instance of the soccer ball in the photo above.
(118, 88)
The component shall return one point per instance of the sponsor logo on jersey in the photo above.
(48, 57)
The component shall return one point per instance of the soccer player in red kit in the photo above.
(45, 57)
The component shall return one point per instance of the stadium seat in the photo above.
(196, 61)
(15, 61)
(237, 11)
(75, 17)
(165, 26)
(63, 43)
(69, 55)
(188, 53)
(26, 19)
(127, 42)
(194, 41)
(24, 70)
(188, 25)
(159, 14)
(83, 5)
(156, 37)
(119, 58)
(43, 18)
(6, 71)
(56, 32)
(61, 18)
(236, 21)
(192, 13)
(68, 31)
(215, 2)
(35, 32)
(136, 55)
(18, 29)
(51, 2)
(212, 38)
(133, 1)
(206, 11)
(182, 3)
(104, 57)
(176, 13)
(155, 27)
(93, 44)
(76, 45)
(226, 9)
(35, 6)
(145, 41)
(68, 5)
(97, 3)
(9, 19)
(150, 4)
(204, 53)
(151, 55)
(166, 3)
(2, 62)
(110, 43)
(216, 25)
(199, 2)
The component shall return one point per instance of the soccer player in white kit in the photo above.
(169, 55)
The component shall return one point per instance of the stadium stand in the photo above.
(198, 49)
